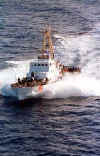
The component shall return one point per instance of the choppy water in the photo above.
(64, 125)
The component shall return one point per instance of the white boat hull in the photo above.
(27, 92)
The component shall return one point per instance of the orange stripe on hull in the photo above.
(40, 88)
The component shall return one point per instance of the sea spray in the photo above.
(73, 85)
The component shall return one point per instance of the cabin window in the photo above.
(34, 64)
(39, 64)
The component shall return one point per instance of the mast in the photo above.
(47, 43)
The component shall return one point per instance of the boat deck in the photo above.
(29, 83)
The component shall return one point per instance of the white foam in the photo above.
(73, 85)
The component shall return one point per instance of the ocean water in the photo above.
(66, 120)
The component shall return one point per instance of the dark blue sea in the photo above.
(67, 124)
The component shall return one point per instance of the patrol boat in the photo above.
(43, 70)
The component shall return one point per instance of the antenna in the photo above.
(47, 42)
